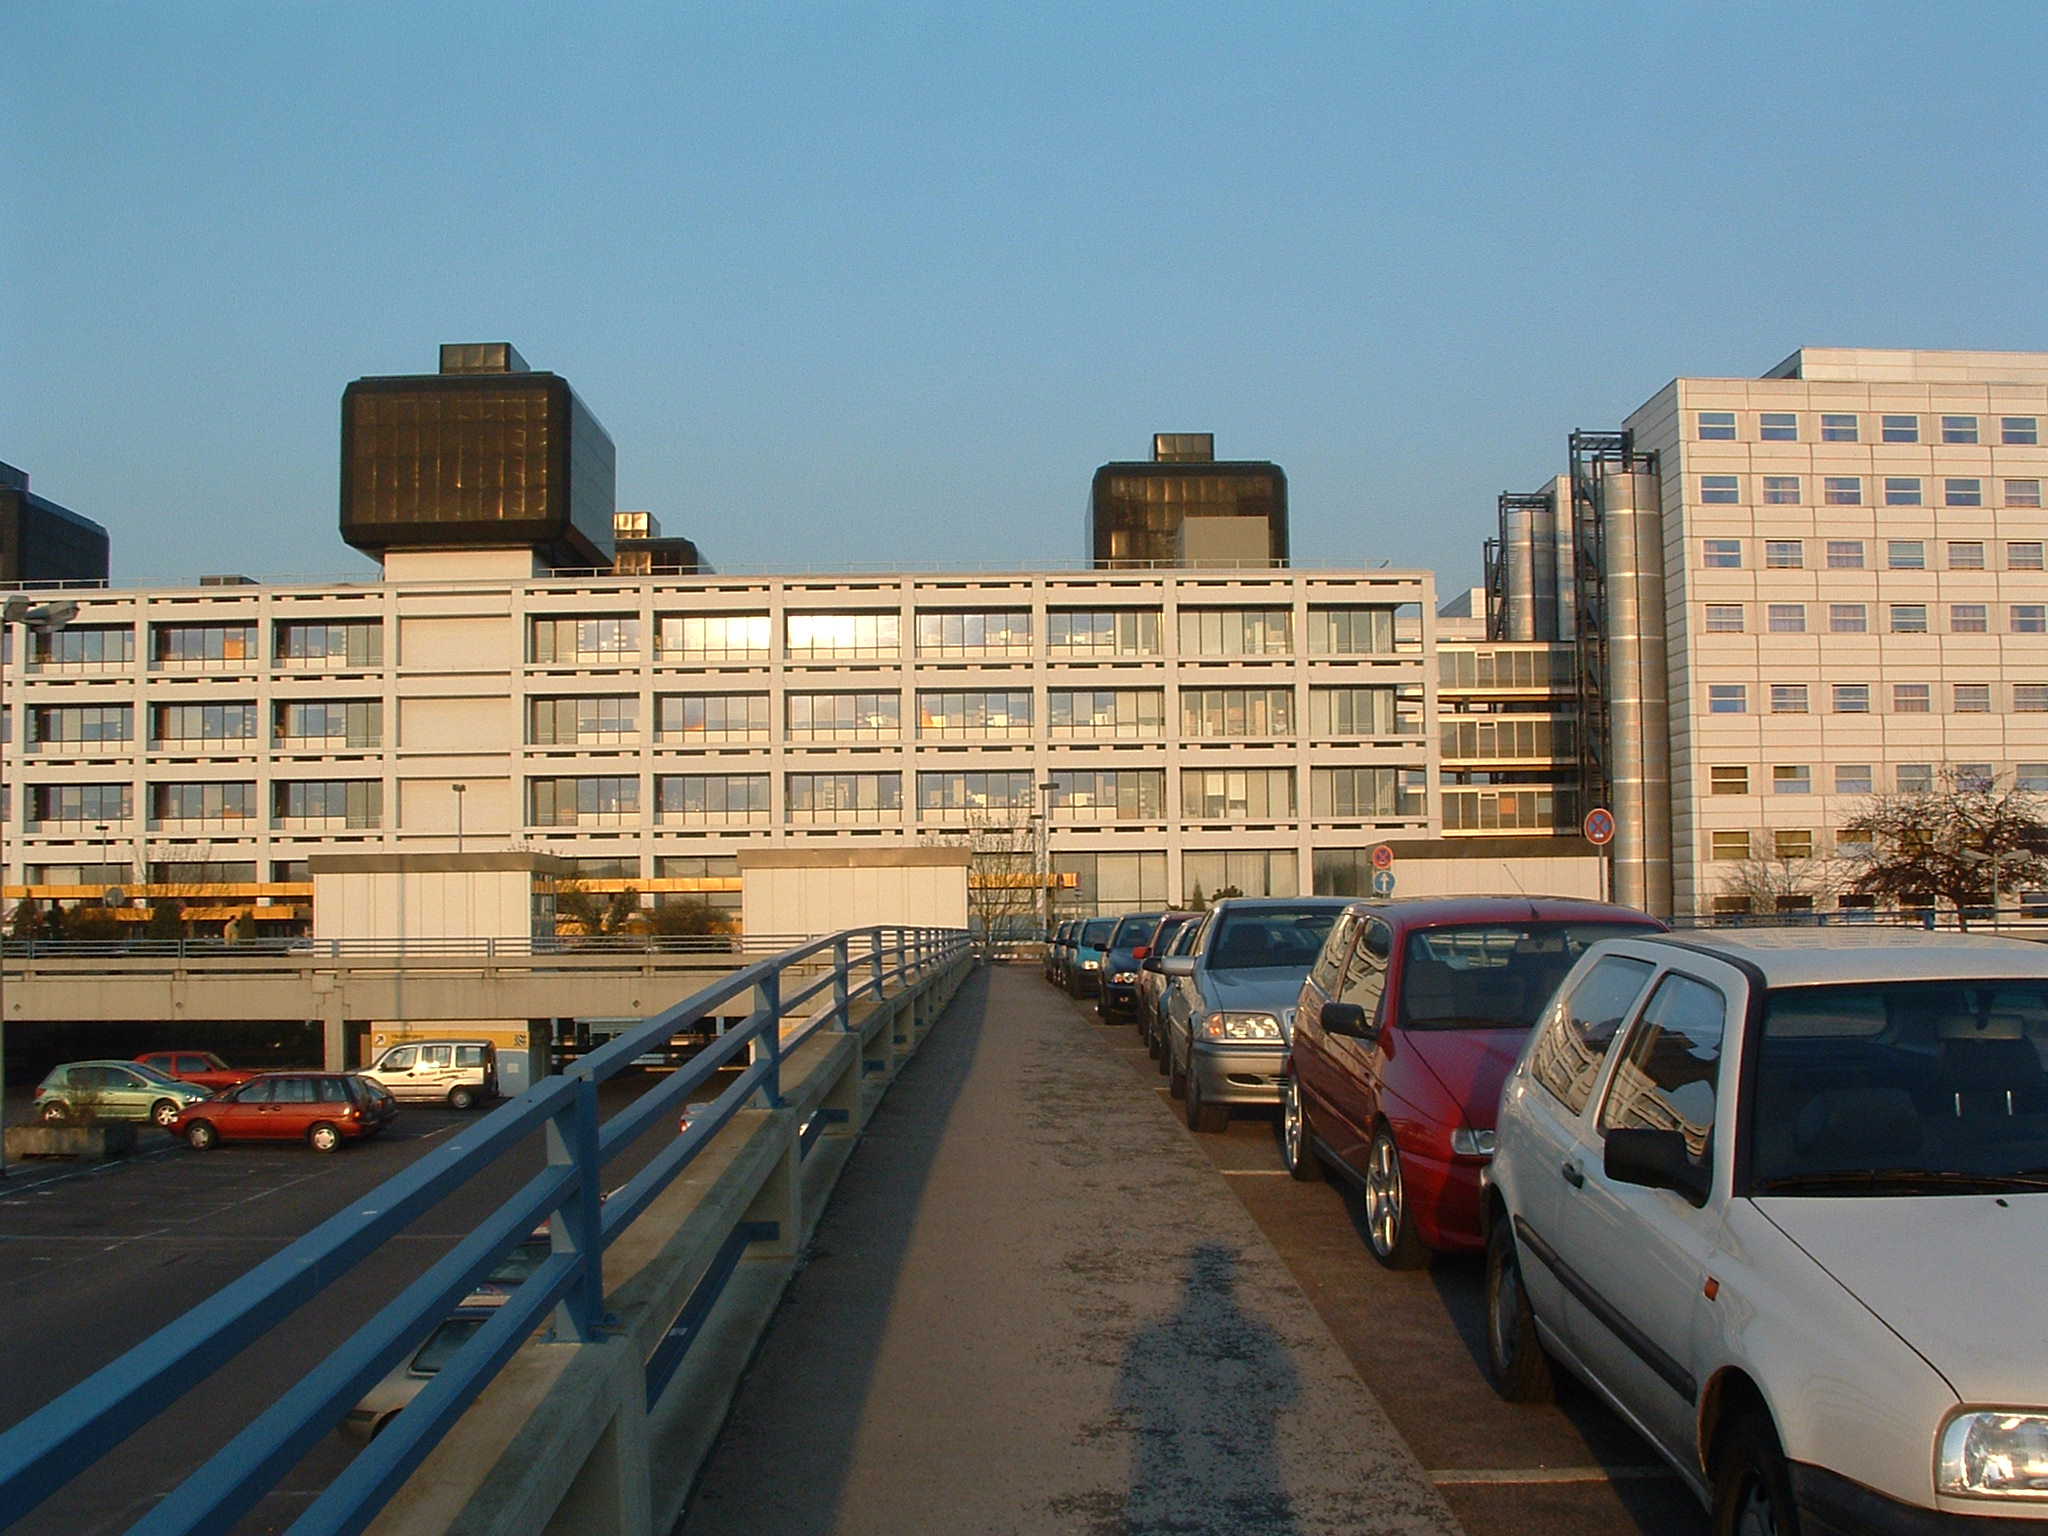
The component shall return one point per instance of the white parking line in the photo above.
(1253, 1173)
(1507, 1476)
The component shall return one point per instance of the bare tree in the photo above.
(1963, 842)
(1002, 876)
(1782, 884)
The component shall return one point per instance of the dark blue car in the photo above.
(1119, 996)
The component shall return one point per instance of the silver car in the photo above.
(1230, 999)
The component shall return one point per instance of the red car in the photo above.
(1408, 1024)
(201, 1067)
(323, 1109)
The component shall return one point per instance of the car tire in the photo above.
(1203, 1116)
(1161, 1051)
(200, 1136)
(1389, 1224)
(323, 1137)
(163, 1112)
(461, 1098)
(1296, 1151)
(1176, 1077)
(1516, 1361)
(1752, 1486)
(56, 1112)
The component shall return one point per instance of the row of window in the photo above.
(297, 644)
(1853, 554)
(1888, 427)
(1848, 491)
(344, 802)
(1861, 778)
(1855, 698)
(1854, 618)
(339, 724)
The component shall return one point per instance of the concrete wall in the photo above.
(809, 891)
(427, 895)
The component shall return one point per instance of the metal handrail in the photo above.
(406, 948)
(68, 1435)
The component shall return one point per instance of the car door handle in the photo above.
(1572, 1176)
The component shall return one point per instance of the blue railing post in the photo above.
(578, 1226)
(875, 953)
(841, 960)
(771, 1035)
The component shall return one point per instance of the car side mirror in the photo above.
(1177, 965)
(1654, 1159)
(1349, 1020)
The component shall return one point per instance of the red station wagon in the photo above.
(201, 1067)
(1408, 1024)
(323, 1109)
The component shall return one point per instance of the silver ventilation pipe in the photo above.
(1543, 572)
(1518, 555)
(1638, 688)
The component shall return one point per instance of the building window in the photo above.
(1973, 698)
(1902, 490)
(1491, 738)
(839, 798)
(1902, 429)
(1969, 618)
(2023, 555)
(1722, 490)
(712, 637)
(2030, 698)
(974, 714)
(203, 802)
(1727, 699)
(844, 716)
(1255, 631)
(711, 799)
(1216, 712)
(1353, 793)
(1909, 618)
(200, 647)
(1788, 698)
(1236, 794)
(1717, 426)
(856, 636)
(1106, 712)
(1724, 618)
(1791, 843)
(86, 804)
(83, 727)
(1109, 794)
(1004, 632)
(966, 793)
(1848, 618)
(304, 803)
(1728, 779)
(2019, 431)
(312, 645)
(1730, 845)
(611, 800)
(601, 641)
(1966, 555)
(1350, 631)
(1368, 711)
(1915, 778)
(2028, 618)
(2023, 493)
(1791, 779)
(1723, 554)
(1845, 554)
(1102, 631)
(1959, 429)
(1842, 490)
(82, 648)
(2031, 777)
(1851, 698)
(1781, 490)
(1906, 554)
(1853, 779)
(1974, 776)
(1778, 427)
(694, 718)
(1784, 554)
(1838, 427)
(1963, 492)
(589, 720)
(1912, 698)
(1788, 618)
(330, 724)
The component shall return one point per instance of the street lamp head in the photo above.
(15, 609)
(53, 615)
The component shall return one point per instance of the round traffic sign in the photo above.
(1383, 882)
(1599, 826)
(1382, 857)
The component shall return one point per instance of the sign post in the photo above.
(1599, 830)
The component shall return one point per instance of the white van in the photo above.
(462, 1072)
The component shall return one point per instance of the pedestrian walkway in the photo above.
(1033, 1306)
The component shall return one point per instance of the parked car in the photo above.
(1230, 1000)
(201, 1067)
(323, 1109)
(381, 1404)
(1057, 951)
(461, 1072)
(1084, 958)
(1176, 931)
(1119, 995)
(1776, 1194)
(1405, 1028)
(112, 1090)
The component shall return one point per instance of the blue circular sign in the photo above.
(1383, 882)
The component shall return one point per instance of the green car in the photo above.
(113, 1090)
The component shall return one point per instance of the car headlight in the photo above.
(1240, 1026)
(1091, 965)
(1994, 1454)
(1467, 1142)
(1124, 978)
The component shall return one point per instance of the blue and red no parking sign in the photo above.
(1599, 826)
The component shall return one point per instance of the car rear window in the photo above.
(1270, 937)
(1096, 931)
(470, 1055)
(1132, 929)
(1492, 975)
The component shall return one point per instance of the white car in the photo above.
(1781, 1197)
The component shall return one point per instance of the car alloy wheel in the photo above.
(1388, 1225)
(56, 1113)
(163, 1112)
(1295, 1151)
(1514, 1354)
(1752, 1487)
(324, 1137)
(461, 1098)
(201, 1135)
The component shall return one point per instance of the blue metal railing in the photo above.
(63, 1439)
(714, 945)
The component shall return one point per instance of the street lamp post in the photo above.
(1045, 790)
(460, 791)
(43, 618)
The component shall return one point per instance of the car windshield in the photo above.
(1491, 975)
(1903, 1087)
(521, 1261)
(1095, 932)
(1270, 937)
(1133, 929)
(442, 1343)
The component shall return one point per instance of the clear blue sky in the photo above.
(882, 284)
